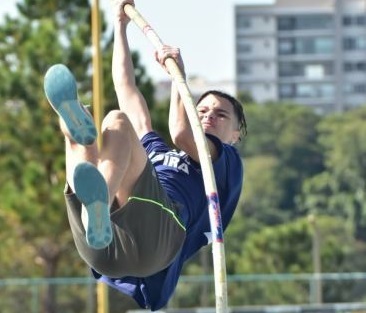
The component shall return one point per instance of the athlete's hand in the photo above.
(169, 52)
(118, 11)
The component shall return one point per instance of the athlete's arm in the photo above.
(179, 126)
(130, 99)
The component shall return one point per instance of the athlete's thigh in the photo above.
(122, 157)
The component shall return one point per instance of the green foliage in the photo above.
(32, 160)
(263, 209)
(288, 249)
(340, 190)
(159, 118)
(296, 163)
(282, 146)
(36, 238)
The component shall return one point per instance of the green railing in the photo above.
(78, 294)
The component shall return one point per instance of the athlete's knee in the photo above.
(116, 120)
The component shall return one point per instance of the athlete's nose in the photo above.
(209, 116)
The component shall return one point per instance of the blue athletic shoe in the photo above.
(92, 191)
(61, 91)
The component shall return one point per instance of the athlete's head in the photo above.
(222, 115)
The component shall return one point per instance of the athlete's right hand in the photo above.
(119, 11)
(169, 52)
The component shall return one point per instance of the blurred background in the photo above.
(297, 239)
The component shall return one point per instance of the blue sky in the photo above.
(202, 29)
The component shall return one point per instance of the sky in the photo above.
(202, 29)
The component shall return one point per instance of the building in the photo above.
(197, 86)
(311, 52)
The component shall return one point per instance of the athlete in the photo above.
(137, 208)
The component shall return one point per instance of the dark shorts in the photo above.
(147, 231)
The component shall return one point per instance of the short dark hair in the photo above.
(238, 107)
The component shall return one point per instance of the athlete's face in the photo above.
(218, 118)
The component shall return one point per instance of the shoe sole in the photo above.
(61, 92)
(92, 191)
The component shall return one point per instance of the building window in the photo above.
(324, 45)
(361, 20)
(306, 90)
(287, 69)
(354, 89)
(327, 90)
(286, 23)
(314, 72)
(245, 87)
(350, 67)
(286, 46)
(312, 45)
(354, 20)
(244, 68)
(347, 21)
(361, 66)
(287, 91)
(304, 69)
(244, 48)
(360, 89)
(305, 22)
(354, 43)
(243, 21)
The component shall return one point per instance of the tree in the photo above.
(32, 151)
(281, 150)
(287, 249)
(340, 189)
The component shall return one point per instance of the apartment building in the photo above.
(311, 52)
(197, 86)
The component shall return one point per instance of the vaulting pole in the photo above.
(98, 99)
(218, 250)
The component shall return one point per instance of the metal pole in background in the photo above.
(317, 283)
(97, 69)
(102, 289)
(339, 56)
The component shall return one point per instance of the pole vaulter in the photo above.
(218, 249)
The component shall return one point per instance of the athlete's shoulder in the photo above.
(153, 142)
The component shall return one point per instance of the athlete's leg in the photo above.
(146, 234)
(122, 158)
(76, 154)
